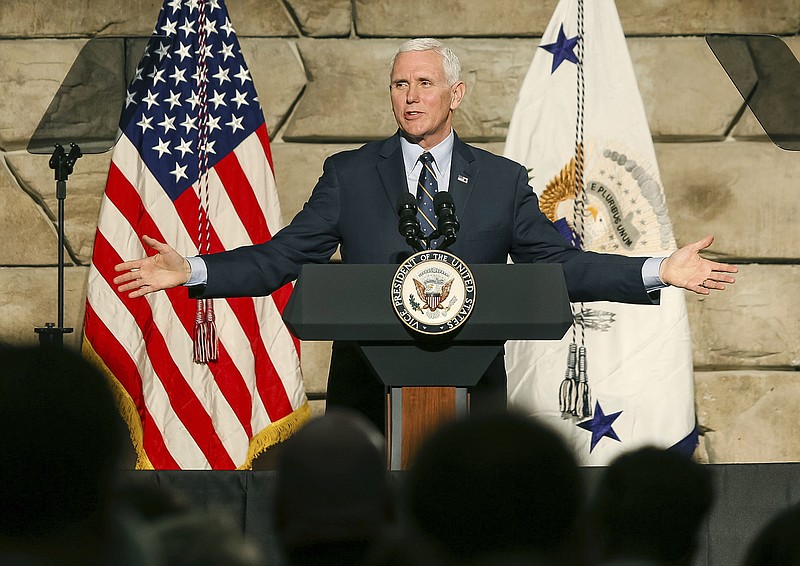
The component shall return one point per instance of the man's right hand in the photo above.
(164, 270)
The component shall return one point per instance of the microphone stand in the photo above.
(447, 223)
(62, 163)
(408, 224)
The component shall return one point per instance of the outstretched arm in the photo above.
(164, 270)
(686, 269)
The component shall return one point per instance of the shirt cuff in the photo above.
(650, 277)
(199, 274)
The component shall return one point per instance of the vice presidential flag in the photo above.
(193, 168)
(581, 92)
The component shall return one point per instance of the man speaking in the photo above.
(354, 207)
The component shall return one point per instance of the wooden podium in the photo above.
(427, 376)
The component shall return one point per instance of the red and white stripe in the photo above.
(194, 416)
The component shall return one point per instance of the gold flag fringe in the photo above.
(125, 405)
(271, 435)
(277, 432)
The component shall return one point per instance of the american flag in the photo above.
(192, 168)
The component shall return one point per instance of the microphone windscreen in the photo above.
(406, 201)
(442, 198)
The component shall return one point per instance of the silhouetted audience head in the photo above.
(60, 437)
(500, 486)
(649, 505)
(333, 495)
(204, 538)
(175, 533)
(140, 497)
(778, 543)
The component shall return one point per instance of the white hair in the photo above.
(452, 66)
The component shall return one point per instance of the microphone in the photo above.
(408, 224)
(446, 214)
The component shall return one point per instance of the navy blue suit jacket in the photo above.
(354, 204)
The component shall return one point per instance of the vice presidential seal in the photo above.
(433, 292)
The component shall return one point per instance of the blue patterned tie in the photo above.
(426, 189)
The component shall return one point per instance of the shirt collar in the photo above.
(442, 152)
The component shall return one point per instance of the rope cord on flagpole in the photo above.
(574, 395)
(205, 334)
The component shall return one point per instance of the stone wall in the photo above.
(320, 67)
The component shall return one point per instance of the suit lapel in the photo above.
(392, 171)
(463, 175)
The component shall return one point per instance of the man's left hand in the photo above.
(686, 269)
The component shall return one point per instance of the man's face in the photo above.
(422, 101)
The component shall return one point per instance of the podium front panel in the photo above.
(353, 302)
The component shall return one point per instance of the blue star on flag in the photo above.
(563, 49)
(600, 425)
